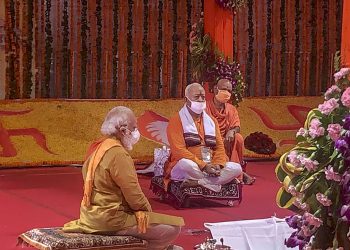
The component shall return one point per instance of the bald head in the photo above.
(224, 84)
(195, 92)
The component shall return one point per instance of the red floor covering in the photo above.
(48, 197)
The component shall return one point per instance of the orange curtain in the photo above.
(345, 46)
(218, 23)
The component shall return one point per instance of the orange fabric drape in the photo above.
(345, 46)
(218, 23)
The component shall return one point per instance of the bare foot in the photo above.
(248, 180)
(189, 183)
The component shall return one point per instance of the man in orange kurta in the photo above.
(227, 117)
(197, 150)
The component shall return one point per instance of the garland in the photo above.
(28, 56)
(84, 48)
(202, 54)
(209, 65)
(189, 28)
(115, 47)
(175, 53)
(297, 48)
(249, 67)
(129, 50)
(10, 70)
(146, 52)
(283, 47)
(268, 47)
(337, 61)
(339, 20)
(231, 5)
(66, 89)
(313, 61)
(325, 63)
(48, 51)
(99, 48)
(160, 46)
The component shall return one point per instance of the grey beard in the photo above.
(127, 143)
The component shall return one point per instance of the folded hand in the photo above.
(230, 135)
(142, 218)
(212, 170)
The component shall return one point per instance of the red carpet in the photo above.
(44, 197)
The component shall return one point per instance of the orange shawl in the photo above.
(227, 118)
(99, 148)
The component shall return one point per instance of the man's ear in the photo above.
(215, 88)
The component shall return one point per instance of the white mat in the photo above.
(262, 234)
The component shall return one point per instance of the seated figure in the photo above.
(113, 202)
(197, 150)
(227, 117)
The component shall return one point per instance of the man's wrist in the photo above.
(234, 129)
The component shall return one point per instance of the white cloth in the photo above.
(189, 126)
(161, 155)
(186, 169)
(261, 234)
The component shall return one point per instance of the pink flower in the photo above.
(302, 132)
(331, 175)
(334, 131)
(345, 98)
(313, 220)
(309, 164)
(299, 204)
(306, 231)
(315, 123)
(315, 129)
(331, 91)
(292, 190)
(340, 74)
(323, 199)
(294, 158)
(328, 106)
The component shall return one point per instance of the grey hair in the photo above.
(114, 119)
(190, 86)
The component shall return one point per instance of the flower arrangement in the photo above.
(209, 65)
(260, 143)
(231, 4)
(316, 173)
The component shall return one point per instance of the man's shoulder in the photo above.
(230, 107)
(117, 152)
(175, 118)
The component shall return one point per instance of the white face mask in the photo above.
(131, 139)
(135, 136)
(197, 107)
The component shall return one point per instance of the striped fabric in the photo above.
(191, 135)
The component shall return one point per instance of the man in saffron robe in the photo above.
(113, 201)
(197, 150)
(227, 117)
